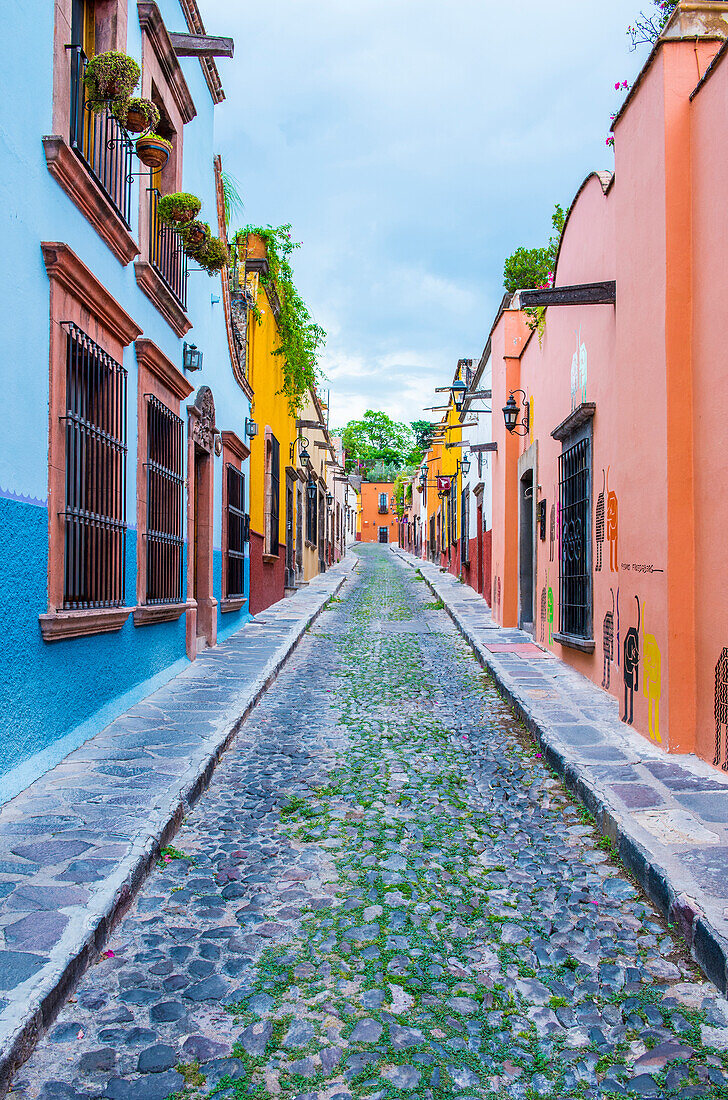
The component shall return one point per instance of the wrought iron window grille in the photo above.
(95, 492)
(238, 532)
(100, 142)
(165, 509)
(166, 251)
(574, 576)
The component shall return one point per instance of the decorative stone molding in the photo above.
(64, 266)
(151, 22)
(82, 189)
(159, 293)
(202, 430)
(209, 68)
(234, 443)
(148, 614)
(57, 625)
(150, 356)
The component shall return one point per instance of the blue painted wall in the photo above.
(48, 691)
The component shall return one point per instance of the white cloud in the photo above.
(413, 145)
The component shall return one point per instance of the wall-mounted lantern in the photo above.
(251, 428)
(510, 414)
(459, 389)
(303, 455)
(464, 465)
(311, 490)
(191, 357)
(329, 499)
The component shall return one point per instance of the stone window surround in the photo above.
(235, 452)
(162, 74)
(156, 375)
(75, 295)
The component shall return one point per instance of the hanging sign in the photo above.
(443, 484)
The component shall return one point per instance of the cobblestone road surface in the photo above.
(384, 893)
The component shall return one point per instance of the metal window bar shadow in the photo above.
(237, 532)
(100, 142)
(165, 513)
(574, 579)
(95, 500)
(166, 251)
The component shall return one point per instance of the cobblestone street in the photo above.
(385, 892)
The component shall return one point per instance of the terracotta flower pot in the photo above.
(136, 121)
(196, 233)
(255, 246)
(152, 151)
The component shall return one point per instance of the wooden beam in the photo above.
(483, 447)
(201, 45)
(312, 424)
(485, 395)
(585, 294)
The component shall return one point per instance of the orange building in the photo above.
(378, 515)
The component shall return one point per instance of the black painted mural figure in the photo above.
(721, 706)
(631, 666)
(599, 523)
(608, 643)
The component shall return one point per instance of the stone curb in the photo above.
(708, 947)
(85, 937)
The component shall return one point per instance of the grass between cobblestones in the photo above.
(471, 934)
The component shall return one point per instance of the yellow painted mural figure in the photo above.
(652, 680)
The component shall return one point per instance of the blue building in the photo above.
(123, 467)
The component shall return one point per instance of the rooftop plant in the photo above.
(533, 268)
(300, 339)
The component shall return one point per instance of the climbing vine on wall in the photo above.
(300, 339)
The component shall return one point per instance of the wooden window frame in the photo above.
(234, 453)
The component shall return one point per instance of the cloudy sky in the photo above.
(413, 144)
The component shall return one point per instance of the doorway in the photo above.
(202, 616)
(290, 542)
(526, 552)
(383, 534)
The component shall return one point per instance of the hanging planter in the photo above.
(136, 115)
(195, 235)
(109, 77)
(254, 246)
(153, 150)
(213, 256)
(179, 209)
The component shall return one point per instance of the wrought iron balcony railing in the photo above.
(166, 251)
(100, 142)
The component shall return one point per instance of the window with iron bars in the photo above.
(166, 251)
(453, 511)
(275, 492)
(311, 514)
(464, 525)
(95, 505)
(575, 589)
(165, 482)
(238, 532)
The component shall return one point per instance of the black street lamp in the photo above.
(510, 414)
(464, 465)
(311, 490)
(459, 389)
(329, 499)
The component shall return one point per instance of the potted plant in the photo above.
(213, 256)
(195, 235)
(178, 209)
(153, 150)
(254, 246)
(110, 76)
(137, 114)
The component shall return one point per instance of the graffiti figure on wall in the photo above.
(608, 643)
(617, 647)
(721, 707)
(651, 680)
(631, 666)
(578, 373)
(612, 526)
(552, 532)
(599, 523)
(550, 610)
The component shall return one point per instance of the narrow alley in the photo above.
(385, 892)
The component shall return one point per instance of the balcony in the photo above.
(383, 509)
(166, 252)
(101, 144)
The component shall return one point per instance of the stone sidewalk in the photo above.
(76, 845)
(666, 815)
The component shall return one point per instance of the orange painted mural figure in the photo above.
(612, 526)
